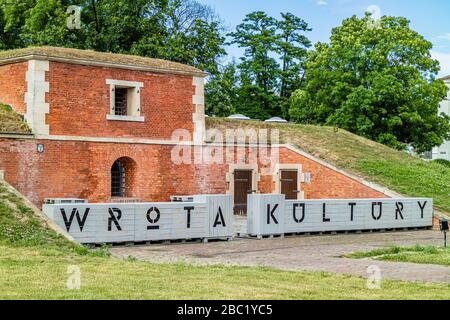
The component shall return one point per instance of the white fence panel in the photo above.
(265, 214)
(112, 223)
(220, 214)
(166, 221)
(338, 214)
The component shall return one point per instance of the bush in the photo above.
(442, 162)
(5, 107)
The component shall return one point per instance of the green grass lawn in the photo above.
(30, 273)
(417, 254)
(34, 263)
(375, 162)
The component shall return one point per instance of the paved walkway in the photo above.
(314, 253)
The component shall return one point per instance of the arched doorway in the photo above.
(122, 178)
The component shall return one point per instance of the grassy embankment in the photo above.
(372, 161)
(11, 122)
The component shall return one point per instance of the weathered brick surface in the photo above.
(13, 85)
(79, 102)
(327, 183)
(83, 169)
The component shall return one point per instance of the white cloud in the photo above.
(444, 59)
(375, 11)
(445, 36)
(322, 2)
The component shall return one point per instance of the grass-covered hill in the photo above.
(11, 121)
(21, 226)
(372, 161)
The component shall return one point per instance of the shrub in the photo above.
(442, 162)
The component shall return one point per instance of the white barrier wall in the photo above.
(272, 214)
(205, 218)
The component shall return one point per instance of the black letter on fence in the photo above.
(422, 206)
(301, 205)
(151, 220)
(324, 211)
(399, 210)
(189, 209)
(270, 214)
(113, 218)
(219, 216)
(352, 207)
(380, 204)
(81, 221)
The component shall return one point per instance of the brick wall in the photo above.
(82, 170)
(79, 102)
(13, 85)
(327, 183)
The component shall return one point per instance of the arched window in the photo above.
(118, 179)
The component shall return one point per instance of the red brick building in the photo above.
(105, 128)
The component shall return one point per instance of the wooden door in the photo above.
(242, 187)
(289, 184)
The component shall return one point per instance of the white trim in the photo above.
(198, 117)
(256, 177)
(35, 97)
(300, 177)
(125, 83)
(112, 117)
(133, 99)
(112, 140)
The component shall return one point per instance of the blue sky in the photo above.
(430, 18)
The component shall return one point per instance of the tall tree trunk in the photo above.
(94, 9)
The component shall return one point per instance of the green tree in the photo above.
(273, 63)
(181, 30)
(221, 92)
(376, 79)
(293, 46)
(259, 69)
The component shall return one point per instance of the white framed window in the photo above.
(125, 100)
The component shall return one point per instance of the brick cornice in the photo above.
(88, 62)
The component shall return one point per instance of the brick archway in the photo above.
(123, 178)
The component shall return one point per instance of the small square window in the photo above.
(125, 100)
(121, 102)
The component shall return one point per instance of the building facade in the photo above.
(108, 128)
(443, 151)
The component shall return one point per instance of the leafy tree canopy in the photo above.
(376, 79)
(271, 68)
(179, 30)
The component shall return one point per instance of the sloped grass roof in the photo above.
(90, 56)
(11, 121)
(362, 157)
